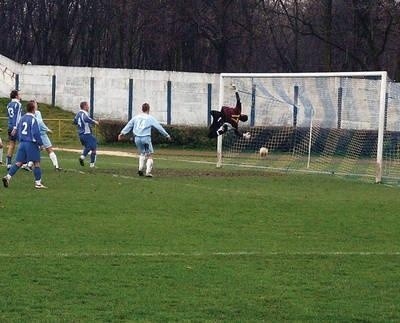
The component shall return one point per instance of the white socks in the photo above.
(149, 165)
(145, 160)
(142, 159)
(53, 158)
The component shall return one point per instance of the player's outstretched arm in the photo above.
(238, 107)
(237, 99)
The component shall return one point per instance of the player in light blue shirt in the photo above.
(14, 110)
(44, 129)
(84, 125)
(30, 144)
(140, 125)
(46, 140)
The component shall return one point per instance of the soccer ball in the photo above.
(263, 152)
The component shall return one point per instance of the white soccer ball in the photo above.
(263, 152)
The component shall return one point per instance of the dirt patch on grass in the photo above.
(194, 173)
(176, 172)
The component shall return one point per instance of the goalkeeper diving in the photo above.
(228, 119)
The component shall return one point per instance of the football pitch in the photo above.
(196, 243)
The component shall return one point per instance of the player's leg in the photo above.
(85, 150)
(53, 158)
(224, 128)
(142, 157)
(92, 142)
(87, 143)
(37, 173)
(1, 151)
(149, 156)
(149, 165)
(49, 148)
(11, 147)
(34, 155)
(216, 123)
(21, 157)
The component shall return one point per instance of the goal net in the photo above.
(335, 123)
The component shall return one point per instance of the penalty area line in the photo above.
(195, 254)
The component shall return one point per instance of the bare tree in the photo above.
(205, 35)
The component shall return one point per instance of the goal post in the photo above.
(220, 104)
(382, 101)
(334, 123)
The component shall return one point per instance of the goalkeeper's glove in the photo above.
(247, 135)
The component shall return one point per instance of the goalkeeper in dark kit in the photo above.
(228, 119)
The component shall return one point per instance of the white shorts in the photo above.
(144, 145)
(46, 141)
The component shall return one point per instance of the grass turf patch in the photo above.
(196, 243)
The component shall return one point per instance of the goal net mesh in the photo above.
(318, 124)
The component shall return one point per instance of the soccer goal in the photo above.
(335, 123)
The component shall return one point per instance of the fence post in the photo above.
(91, 96)
(209, 98)
(17, 81)
(339, 107)
(53, 91)
(253, 105)
(130, 99)
(169, 102)
(295, 103)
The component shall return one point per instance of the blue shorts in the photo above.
(10, 137)
(46, 140)
(144, 145)
(27, 151)
(88, 141)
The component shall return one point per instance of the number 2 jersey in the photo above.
(28, 129)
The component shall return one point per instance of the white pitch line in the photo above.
(198, 254)
(101, 152)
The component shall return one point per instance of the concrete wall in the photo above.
(8, 71)
(181, 98)
(175, 97)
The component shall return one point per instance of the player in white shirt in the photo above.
(141, 125)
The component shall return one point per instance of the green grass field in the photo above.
(196, 243)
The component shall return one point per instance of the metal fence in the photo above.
(63, 130)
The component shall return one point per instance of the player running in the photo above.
(30, 144)
(228, 119)
(141, 125)
(84, 125)
(14, 110)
